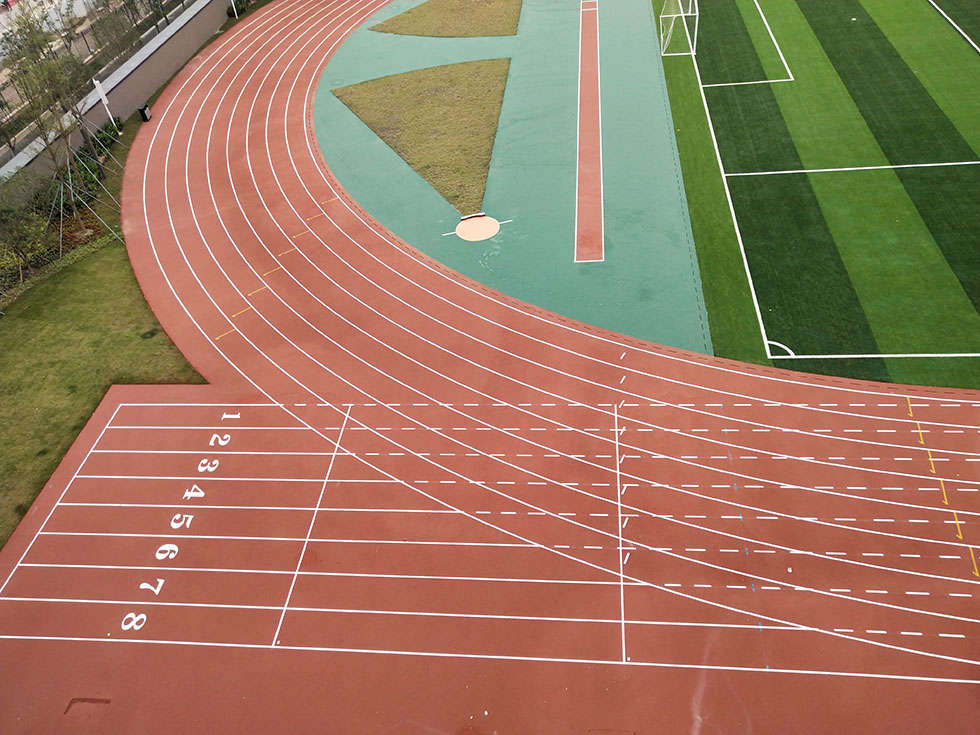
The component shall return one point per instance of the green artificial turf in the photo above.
(731, 315)
(906, 121)
(441, 120)
(807, 299)
(966, 14)
(62, 344)
(456, 18)
(725, 49)
(949, 201)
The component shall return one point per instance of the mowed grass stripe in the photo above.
(949, 69)
(908, 124)
(949, 201)
(901, 277)
(913, 300)
(826, 126)
(939, 57)
(805, 293)
(765, 49)
(911, 127)
(725, 49)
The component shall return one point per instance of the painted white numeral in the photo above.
(133, 621)
(207, 465)
(154, 588)
(181, 520)
(226, 416)
(221, 440)
(194, 492)
(166, 551)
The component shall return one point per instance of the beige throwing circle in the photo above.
(474, 229)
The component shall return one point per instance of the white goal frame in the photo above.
(682, 9)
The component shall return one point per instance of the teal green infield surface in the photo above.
(648, 284)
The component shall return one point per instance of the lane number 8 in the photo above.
(133, 621)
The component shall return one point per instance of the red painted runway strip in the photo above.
(407, 500)
(589, 217)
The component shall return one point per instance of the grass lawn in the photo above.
(77, 330)
(62, 344)
(441, 120)
(455, 18)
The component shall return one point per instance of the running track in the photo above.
(407, 503)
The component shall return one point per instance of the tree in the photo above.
(7, 133)
(21, 237)
(51, 84)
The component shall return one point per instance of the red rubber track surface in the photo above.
(408, 503)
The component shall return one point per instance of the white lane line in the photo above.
(501, 657)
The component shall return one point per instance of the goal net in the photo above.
(679, 28)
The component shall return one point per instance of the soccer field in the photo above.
(832, 148)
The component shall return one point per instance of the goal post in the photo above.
(679, 28)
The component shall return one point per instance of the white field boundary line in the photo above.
(883, 355)
(845, 169)
(745, 84)
(293, 379)
(958, 29)
(789, 72)
(54, 507)
(779, 50)
(309, 531)
(509, 306)
(500, 657)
